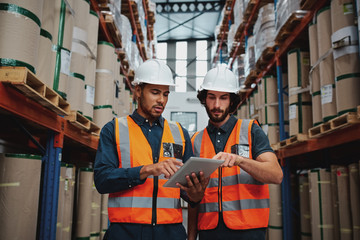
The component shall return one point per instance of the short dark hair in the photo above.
(234, 100)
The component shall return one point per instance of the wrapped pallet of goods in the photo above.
(238, 12)
(286, 11)
(264, 30)
(79, 51)
(326, 65)
(91, 65)
(314, 76)
(238, 68)
(275, 228)
(300, 111)
(355, 198)
(252, 106)
(320, 204)
(249, 59)
(46, 64)
(305, 216)
(343, 190)
(231, 37)
(84, 200)
(20, 23)
(19, 196)
(345, 44)
(104, 83)
(62, 39)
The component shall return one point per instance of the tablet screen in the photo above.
(193, 164)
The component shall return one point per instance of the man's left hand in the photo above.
(195, 188)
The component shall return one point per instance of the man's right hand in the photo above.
(167, 167)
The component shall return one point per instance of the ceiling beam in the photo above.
(189, 7)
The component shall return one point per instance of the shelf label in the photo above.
(292, 111)
(326, 94)
(65, 62)
(90, 94)
(348, 8)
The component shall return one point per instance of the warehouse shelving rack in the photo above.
(324, 146)
(29, 126)
(40, 125)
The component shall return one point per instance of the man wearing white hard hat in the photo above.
(135, 157)
(236, 201)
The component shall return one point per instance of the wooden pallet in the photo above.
(25, 81)
(307, 4)
(251, 77)
(83, 123)
(250, 8)
(78, 120)
(94, 129)
(292, 22)
(113, 30)
(342, 121)
(265, 57)
(298, 138)
(275, 146)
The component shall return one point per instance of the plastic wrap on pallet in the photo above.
(284, 9)
(249, 60)
(134, 60)
(231, 36)
(238, 12)
(238, 69)
(115, 6)
(126, 35)
(264, 30)
(245, 5)
(142, 20)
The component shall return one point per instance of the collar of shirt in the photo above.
(226, 127)
(140, 120)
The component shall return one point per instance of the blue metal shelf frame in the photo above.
(50, 187)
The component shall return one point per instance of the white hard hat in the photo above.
(220, 79)
(155, 72)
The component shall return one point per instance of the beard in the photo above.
(217, 119)
(148, 110)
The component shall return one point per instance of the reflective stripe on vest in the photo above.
(135, 205)
(244, 201)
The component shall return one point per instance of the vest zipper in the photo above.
(155, 192)
(220, 190)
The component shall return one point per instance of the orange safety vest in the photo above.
(243, 201)
(136, 204)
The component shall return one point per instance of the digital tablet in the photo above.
(193, 165)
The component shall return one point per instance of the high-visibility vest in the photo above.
(150, 202)
(243, 201)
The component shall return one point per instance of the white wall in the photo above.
(186, 102)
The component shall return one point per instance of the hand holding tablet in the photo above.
(193, 165)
